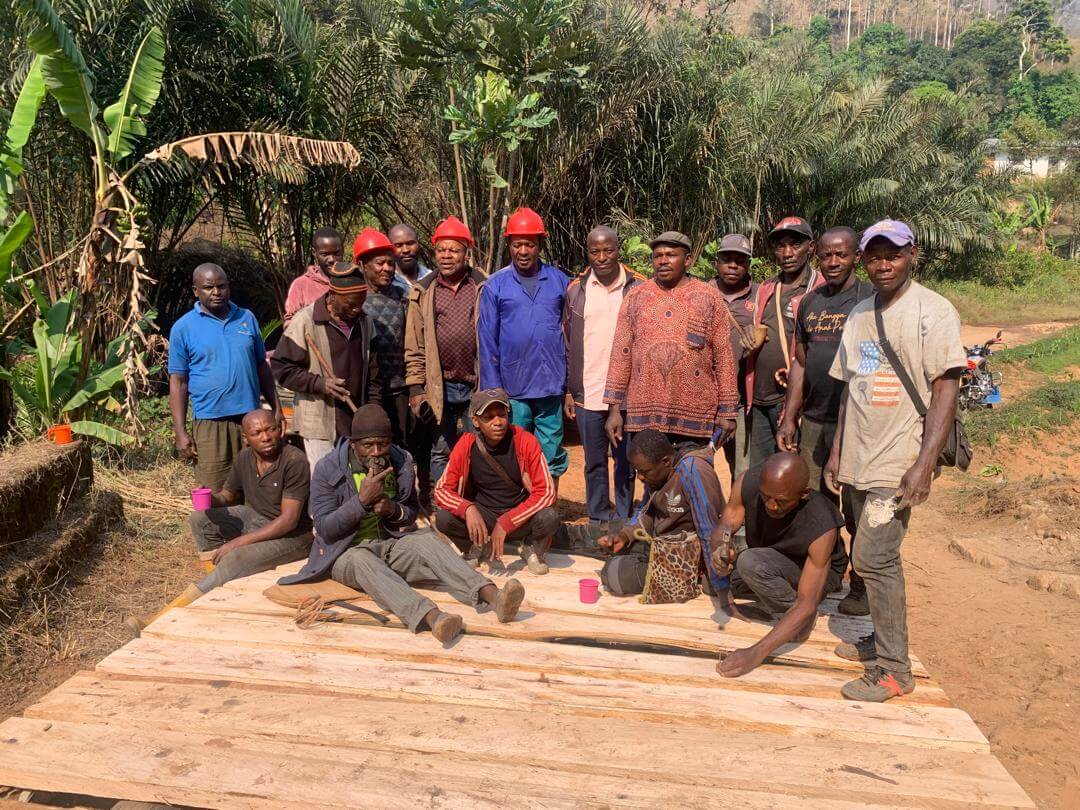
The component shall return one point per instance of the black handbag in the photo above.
(957, 449)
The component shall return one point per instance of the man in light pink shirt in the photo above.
(590, 314)
(326, 247)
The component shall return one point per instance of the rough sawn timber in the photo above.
(227, 703)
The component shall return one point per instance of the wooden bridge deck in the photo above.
(228, 704)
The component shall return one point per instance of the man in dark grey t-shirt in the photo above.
(792, 557)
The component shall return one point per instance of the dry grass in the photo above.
(36, 480)
(138, 567)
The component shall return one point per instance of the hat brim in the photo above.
(741, 251)
(462, 239)
(775, 232)
(657, 242)
(896, 239)
(480, 411)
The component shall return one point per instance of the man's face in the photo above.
(837, 255)
(372, 452)
(450, 256)
(379, 270)
(733, 268)
(792, 251)
(654, 474)
(888, 266)
(263, 435)
(525, 252)
(328, 252)
(406, 249)
(493, 423)
(348, 306)
(778, 499)
(669, 263)
(603, 255)
(212, 290)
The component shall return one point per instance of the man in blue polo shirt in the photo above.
(520, 338)
(217, 360)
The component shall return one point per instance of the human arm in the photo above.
(618, 379)
(725, 372)
(832, 466)
(807, 598)
(535, 471)
(448, 489)
(915, 485)
(406, 503)
(793, 400)
(280, 526)
(487, 338)
(266, 386)
(415, 353)
(290, 363)
(374, 376)
(731, 520)
(178, 405)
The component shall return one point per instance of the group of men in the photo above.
(444, 394)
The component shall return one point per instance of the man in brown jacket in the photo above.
(440, 340)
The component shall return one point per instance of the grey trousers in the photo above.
(877, 560)
(217, 526)
(383, 568)
(772, 578)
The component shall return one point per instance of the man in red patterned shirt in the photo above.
(672, 367)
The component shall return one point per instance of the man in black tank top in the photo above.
(792, 558)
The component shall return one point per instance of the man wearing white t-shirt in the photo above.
(885, 452)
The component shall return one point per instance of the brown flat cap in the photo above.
(672, 238)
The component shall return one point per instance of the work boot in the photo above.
(136, 624)
(508, 600)
(447, 627)
(864, 649)
(533, 560)
(855, 603)
(876, 686)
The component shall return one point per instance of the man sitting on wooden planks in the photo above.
(792, 558)
(364, 504)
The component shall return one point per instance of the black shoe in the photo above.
(864, 649)
(855, 603)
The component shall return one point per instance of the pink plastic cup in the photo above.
(200, 498)
(588, 590)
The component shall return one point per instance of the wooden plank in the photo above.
(556, 595)
(448, 681)
(229, 770)
(251, 630)
(533, 626)
(571, 749)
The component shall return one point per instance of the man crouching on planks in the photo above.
(364, 504)
(792, 558)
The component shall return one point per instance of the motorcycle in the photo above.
(980, 385)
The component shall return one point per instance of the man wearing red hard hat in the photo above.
(520, 337)
(440, 339)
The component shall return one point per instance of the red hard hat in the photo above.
(525, 222)
(368, 241)
(452, 228)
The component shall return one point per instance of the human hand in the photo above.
(725, 430)
(498, 541)
(739, 662)
(185, 447)
(221, 551)
(415, 401)
(569, 407)
(723, 554)
(333, 387)
(785, 436)
(371, 488)
(474, 522)
(384, 508)
(832, 471)
(614, 542)
(914, 486)
(614, 427)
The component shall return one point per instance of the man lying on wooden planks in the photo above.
(364, 504)
(792, 558)
(270, 528)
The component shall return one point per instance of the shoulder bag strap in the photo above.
(894, 361)
(494, 465)
(780, 324)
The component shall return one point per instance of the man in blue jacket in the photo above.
(521, 340)
(364, 504)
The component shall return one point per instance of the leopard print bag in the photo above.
(674, 569)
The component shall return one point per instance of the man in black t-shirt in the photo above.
(792, 557)
(812, 394)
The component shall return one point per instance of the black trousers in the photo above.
(542, 525)
(415, 435)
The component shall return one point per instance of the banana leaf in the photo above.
(95, 387)
(124, 117)
(86, 427)
(23, 115)
(12, 240)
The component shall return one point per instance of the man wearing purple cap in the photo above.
(885, 453)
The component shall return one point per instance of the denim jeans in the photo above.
(595, 444)
(764, 422)
(454, 422)
(881, 530)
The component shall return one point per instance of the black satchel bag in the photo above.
(957, 449)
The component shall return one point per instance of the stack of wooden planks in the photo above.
(228, 703)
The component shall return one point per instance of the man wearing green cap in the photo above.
(364, 504)
(332, 331)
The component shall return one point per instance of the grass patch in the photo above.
(1051, 406)
(1050, 355)
(1046, 298)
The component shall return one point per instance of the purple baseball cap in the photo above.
(894, 230)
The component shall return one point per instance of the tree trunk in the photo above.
(460, 175)
(847, 43)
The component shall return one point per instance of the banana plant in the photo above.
(56, 395)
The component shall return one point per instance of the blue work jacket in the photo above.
(520, 338)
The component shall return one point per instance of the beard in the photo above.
(375, 464)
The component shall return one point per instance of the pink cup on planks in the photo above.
(588, 590)
(200, 498)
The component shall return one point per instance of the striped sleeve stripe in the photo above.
(547, 500)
